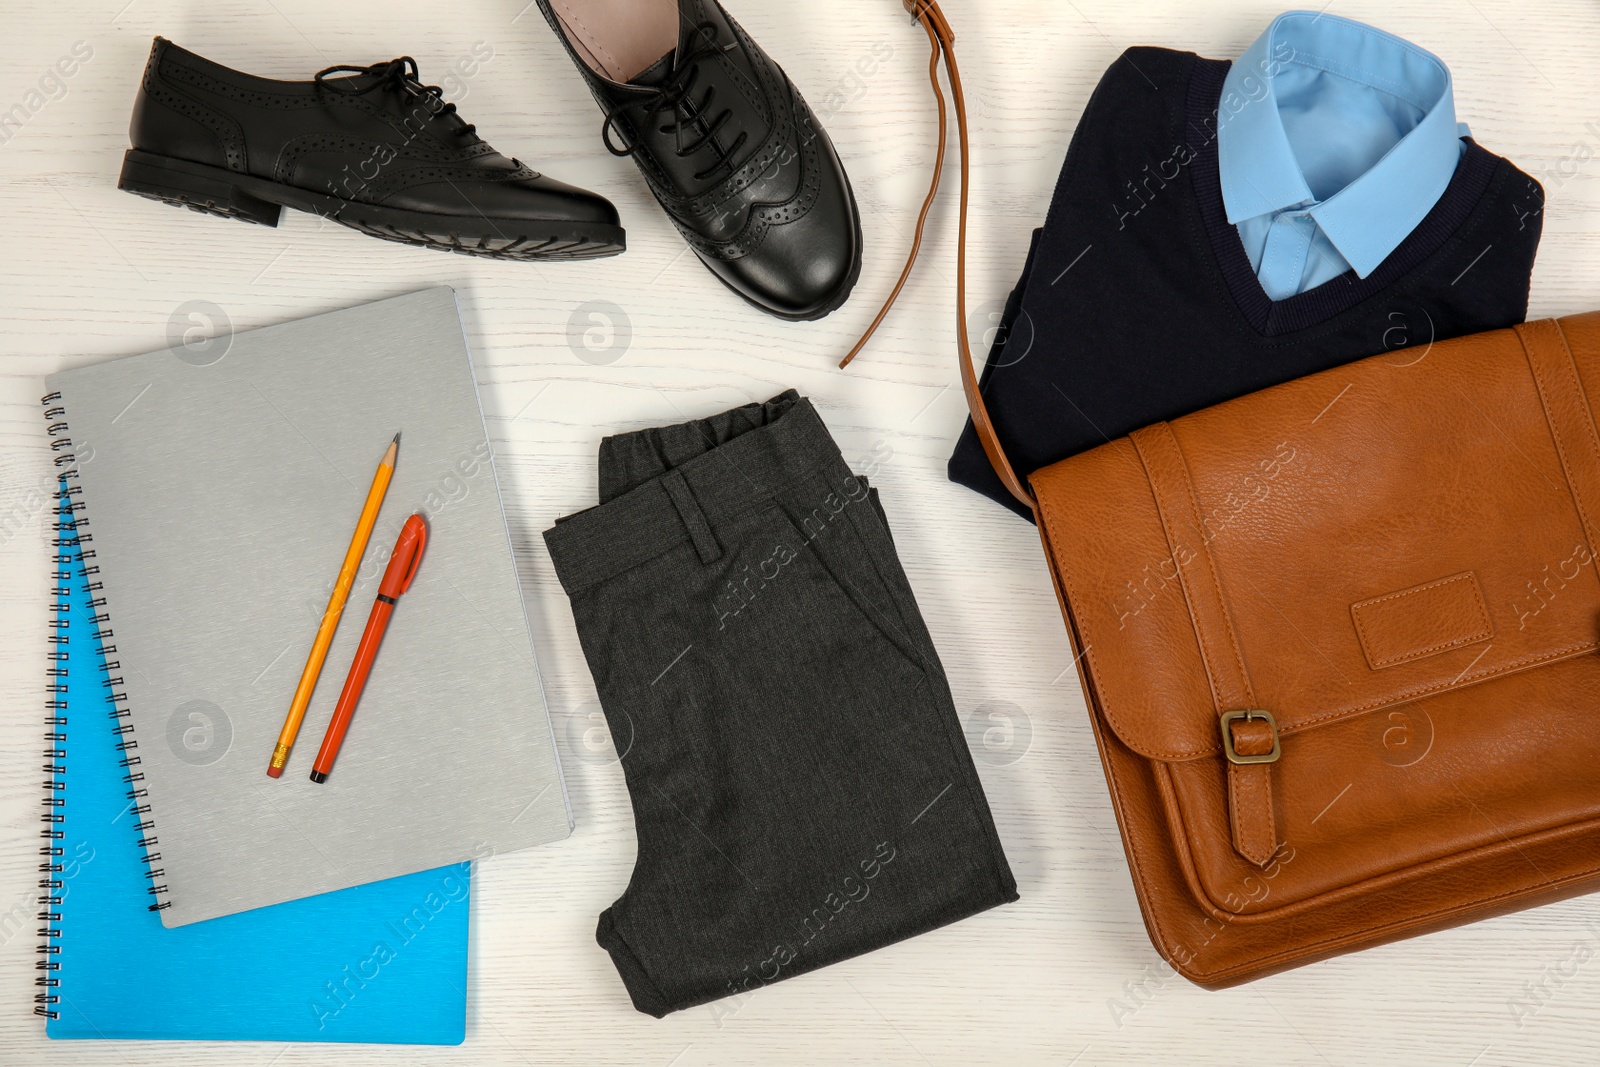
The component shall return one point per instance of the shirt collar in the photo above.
(1260, 174)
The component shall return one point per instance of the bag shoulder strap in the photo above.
(942, 38)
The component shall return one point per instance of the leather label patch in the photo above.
(1422, 621)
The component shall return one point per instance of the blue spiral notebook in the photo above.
(384, 962)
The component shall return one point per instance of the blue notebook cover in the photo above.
(384, 962)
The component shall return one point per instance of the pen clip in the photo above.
(416, 554)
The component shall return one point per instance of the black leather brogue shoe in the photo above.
(370, 147)
(726, 143)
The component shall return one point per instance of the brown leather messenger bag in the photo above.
(1337, 638)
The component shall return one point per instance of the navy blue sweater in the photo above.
(1138, 302)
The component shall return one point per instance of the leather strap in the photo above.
(1249, 785)
(1566, 409)
(934, 18)
(942, 38)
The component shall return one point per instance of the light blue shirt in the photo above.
(1334, 139)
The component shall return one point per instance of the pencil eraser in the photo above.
(274, 772)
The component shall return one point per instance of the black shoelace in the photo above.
(676, 97)
(398, 74)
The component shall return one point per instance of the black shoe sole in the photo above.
(834, 302)
(231, 195)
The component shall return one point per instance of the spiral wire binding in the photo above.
(55, 755)
(70, 539)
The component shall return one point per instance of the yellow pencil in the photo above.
(330, 617)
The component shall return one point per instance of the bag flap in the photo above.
(1402, 526)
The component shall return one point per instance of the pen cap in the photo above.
(404, 559)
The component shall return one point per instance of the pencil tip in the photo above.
(396, 439)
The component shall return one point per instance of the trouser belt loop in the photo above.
(694, 520)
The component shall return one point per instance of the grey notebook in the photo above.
(221, 484)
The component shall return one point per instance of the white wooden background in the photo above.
(1064, 976)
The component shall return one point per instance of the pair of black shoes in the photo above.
(723, 138)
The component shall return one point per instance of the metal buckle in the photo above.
(1227, 736)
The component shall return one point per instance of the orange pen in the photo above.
(396, 580)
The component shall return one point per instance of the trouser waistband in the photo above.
(666, 486)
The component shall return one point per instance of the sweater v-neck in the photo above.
(1314, 307)
(1164, 315)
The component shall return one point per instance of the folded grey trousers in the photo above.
(802, 791)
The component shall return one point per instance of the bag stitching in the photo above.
(1301, 951)
(1241, 835)
(1550, 418)
(1403, 697)
(1390, 661)
(1211, 568)
(1200, 632)
(1586, 415)
(1246, 838)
